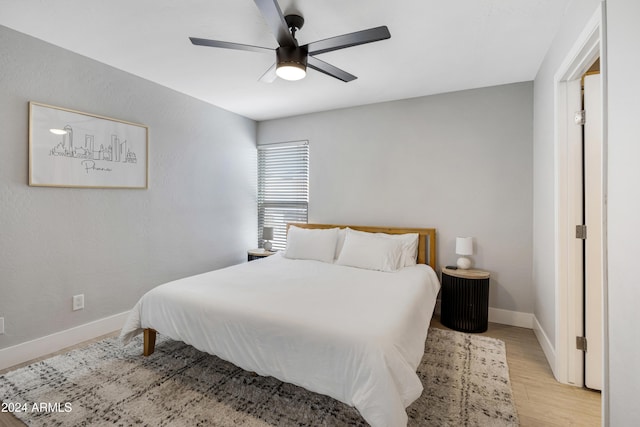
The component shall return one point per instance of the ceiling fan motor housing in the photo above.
(292, 56)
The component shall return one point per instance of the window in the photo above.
(283, 188)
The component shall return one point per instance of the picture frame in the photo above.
(69, 148)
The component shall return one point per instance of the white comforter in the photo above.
(355, 335)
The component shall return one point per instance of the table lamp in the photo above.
(267, 235)
(464, 246)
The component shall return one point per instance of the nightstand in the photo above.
(254, 254)
(465, 300)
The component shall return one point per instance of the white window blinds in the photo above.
(283, 188)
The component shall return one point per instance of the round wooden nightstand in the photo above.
(465, 300)
(253, 254)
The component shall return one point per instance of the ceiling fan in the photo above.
(292, 60)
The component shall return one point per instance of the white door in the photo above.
(593, 205)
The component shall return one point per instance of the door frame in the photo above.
(569, 363)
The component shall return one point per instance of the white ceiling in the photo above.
(436, 46)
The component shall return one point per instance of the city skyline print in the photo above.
(69, 148)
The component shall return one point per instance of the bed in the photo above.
(346, 323)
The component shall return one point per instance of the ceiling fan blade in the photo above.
(329, 69)
(269, 76)
(228, 45)
(348, 40)
(275, 20)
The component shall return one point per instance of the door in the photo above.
(593, 250)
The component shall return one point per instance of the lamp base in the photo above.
(464, 263)
(267, 245)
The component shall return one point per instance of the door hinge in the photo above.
(579, 117)
(581, 231)
(581, 343)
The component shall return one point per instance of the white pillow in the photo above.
(409, 245)
(342, 234)
(367, 250)
(316, 244)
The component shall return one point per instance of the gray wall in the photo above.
(623, 63)
(113, 245)
(460, 162)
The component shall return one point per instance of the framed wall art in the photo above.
(70, 148)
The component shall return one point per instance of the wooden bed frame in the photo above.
(426, 255)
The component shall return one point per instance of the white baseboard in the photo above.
(39, 347)
(512, 318)
(546, 345)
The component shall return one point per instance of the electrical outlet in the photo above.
(1, 325)
(78, 302)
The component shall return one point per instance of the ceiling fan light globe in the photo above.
(291, 71)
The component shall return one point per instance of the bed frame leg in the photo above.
(149, 341)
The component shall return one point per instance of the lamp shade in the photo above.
(267, 233)
(464, 245)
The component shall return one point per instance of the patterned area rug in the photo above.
(466, 381)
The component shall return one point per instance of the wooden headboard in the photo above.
(426, 238)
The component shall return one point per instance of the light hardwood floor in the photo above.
(540, 399)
